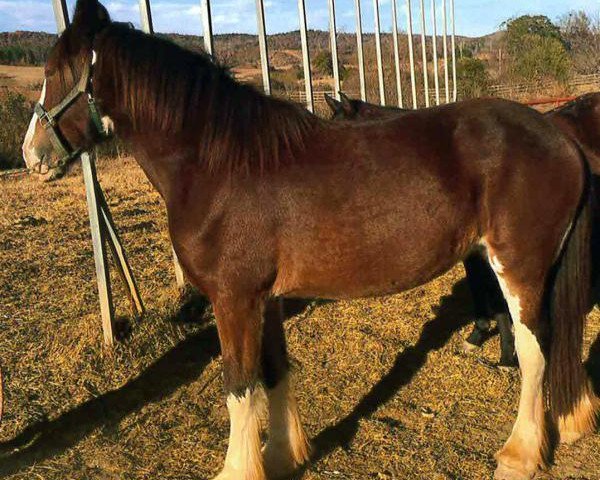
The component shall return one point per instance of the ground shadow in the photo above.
(187, 361)
(453, 313)
(180, 366)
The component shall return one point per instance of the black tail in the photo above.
(569, 301)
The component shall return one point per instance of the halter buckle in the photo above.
(46, 121)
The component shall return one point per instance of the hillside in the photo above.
(30, 48)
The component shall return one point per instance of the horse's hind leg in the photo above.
(239, 322)
(527, 447)
(476, 270)
(287, 446)
(507, 340)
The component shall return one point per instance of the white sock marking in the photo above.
(528, 427)
(244, 459)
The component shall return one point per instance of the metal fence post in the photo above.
(146, 16)
(445, 42)
(334, 52)
(454, 86)
(424, 54)
(378, 49)
(411, 53)
(359, 50)
(262, 43)
(61, 15)
(305, 56)
(435, 56)
(207, 32)
(396, 54)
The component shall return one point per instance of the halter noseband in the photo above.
(49, 118)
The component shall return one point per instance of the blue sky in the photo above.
(473, 17)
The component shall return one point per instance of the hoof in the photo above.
(508, 361)
(570, 437)
(279, 462)
(468, 347)
(505, 472)
(508, 364)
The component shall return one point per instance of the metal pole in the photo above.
(334, 52)
(411, 55)
(445, 37)
(305, 56)
(435, 57)
(454, 86)
(424, 54)
(396, 54)
(378, 49)
(61, 15)
(359, 49)
(207, 27)
(146, 16)
(262, 42)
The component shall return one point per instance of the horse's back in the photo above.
(403, 193)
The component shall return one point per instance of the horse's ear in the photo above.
(347, 104)
(90, 17)
(332, 103)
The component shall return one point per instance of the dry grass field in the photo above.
(384, 389)
(27, 80)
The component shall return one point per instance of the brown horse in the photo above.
(264, 200)
(580, 119)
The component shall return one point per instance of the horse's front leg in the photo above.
(239, 322)
(287, 446)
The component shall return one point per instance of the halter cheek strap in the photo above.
(49, 118)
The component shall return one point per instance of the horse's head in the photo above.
(66, 119)
(342, 109)
(349, 109)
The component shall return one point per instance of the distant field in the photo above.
(25, 79)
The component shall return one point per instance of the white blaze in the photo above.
(29, 155)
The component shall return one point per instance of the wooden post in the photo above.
(99, 244)
(118, 253)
